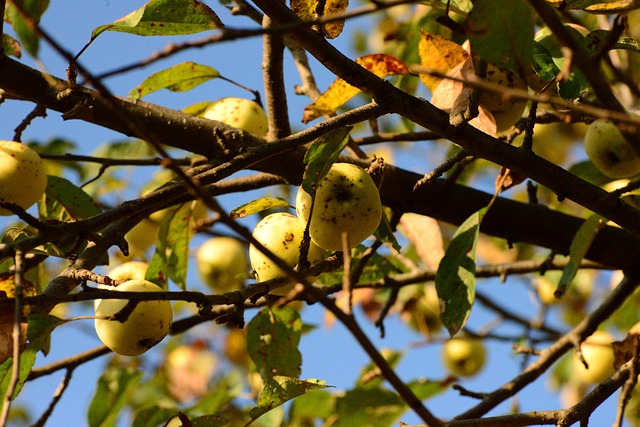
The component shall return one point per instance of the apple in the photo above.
(235, 347)
(240, 113)
(598, 353)
(422, 312)
(505, 111)
(222, 263)
(610, 151)
(282, 234)
(346, 201)
(23, 178)
(189, 369)
(464, 356)
(146, 326)
(129, 270)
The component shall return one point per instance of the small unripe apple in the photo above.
(598, 353)
(146, 325)
(505, 111)
(222, 263)
(346, 200)
(610, 151)
(282, 234)
(240, 113)
(464, 356)
(422, 312)
(23, 178)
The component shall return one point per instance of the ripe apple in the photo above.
(610, 151)
(23, 178)
(281, 233)
(464, 356)
(129, 271)
(240, 113)
(222, 263)
(189, 369)
(505, 111)
(146, 326)
(347, 200)
(598, 352)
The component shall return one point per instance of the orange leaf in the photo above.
(438, 54)
(339, 92)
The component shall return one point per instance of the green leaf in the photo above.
(212, 420)
(425, 389)
(111, 395)
(456, 275)
(579, 246)
(503, 39)
(153, 415)
(165, 18)
(377, 268)
(309, 407)
(65, 202)
(597, 38)
(368, 407)
(370, 375)
(272, 341)
(197, 109)
(321, 155)
(385, 233)
(11, 46)
(34, 9)
(171, 258)
(280, 389)
(179, 78)
(38, 338)
(258, 205)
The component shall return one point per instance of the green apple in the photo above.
(609, 150)
(141, 237)
(422, 312)
(240, 113)
(346, 201)
(505, 111)
(464, 356)
(146, 326)
(129, 271)
(598, 353)
(222, 263)
(282, 234)
(23, 178)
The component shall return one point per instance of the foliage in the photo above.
(409, 91)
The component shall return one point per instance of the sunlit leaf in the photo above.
(376, 407)
(309, 10)
(312, 406)
(339, 92)
(258, 205)
(425, 235)
(597, 6)
(171, 257)
(165, 18)
(272, 341)
(34, 9)
(438, 54)
(504, 39)
(456, 275)
(179, 78)
(385, 233)
(63, 201)
(111, 395)
(578, 250)
(280, 389)
(321, 155)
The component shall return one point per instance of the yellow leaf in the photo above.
(333, 29)
(305, 9)
(339, 92)
(438, 54)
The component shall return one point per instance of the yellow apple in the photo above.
(610, 151)
(23, 178)
(505, 111)
(422, 312)
(129, 270)
(282, 234)
(146, 325)
(464, 356)
(346, 201)
(222, 263)
(598, 353)
(240, 113)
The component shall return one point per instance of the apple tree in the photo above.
(466, 214)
